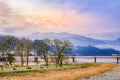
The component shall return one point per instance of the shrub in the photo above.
(85, 65)
(14, 69)
(17, 65)
(28, 68)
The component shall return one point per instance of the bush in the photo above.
(14, 69)
(85, 65)
(28, 68)
(17, 65)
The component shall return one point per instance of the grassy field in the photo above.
(68, 72)
(38, 67)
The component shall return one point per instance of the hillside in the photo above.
(75, 39)
(82, 45)
(78, 40)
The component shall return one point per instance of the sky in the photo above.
(83, 17)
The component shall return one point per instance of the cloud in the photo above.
(4, 9)
(4, 12)
(13, 30)
(106, 8)
(10, 16)
(73, 16)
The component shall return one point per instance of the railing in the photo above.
(95, 57)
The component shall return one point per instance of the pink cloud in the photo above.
(44, 18)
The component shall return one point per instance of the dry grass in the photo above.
(68, 74)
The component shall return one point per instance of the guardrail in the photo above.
(95, 57)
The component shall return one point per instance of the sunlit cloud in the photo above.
(72, 16)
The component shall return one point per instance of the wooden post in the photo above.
(95, 59)
(117, 59)
(73, 58)
(2, 67)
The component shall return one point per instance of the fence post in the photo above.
(117, 59)
(2, 67)
(95, 59)
(73, 59)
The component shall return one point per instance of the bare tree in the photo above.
(20, 50)
(61, 49)
(8, 44)
(24, 47)
(28, 47)
(42, 49)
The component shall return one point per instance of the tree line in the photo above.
(22, 47)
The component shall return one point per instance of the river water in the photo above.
(84, 59)
(104, 60)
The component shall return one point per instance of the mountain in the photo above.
(115, 44)
(92, 51)
(82, 45)
(78, 40)
(75, 39)
(86, 50)
(1, 37)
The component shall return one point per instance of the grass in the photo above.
(29, 68)
(84, 65)
(68, 72)
(22, 71)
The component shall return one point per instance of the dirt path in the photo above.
(111, 75)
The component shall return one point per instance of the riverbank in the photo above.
(110, 75)
(64, 74)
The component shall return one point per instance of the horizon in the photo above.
(97, 19)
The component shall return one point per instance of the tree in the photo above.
(28, 48)
(20, 50)
(23, 49)
(42, 49)
(8, 44)
(61, 48)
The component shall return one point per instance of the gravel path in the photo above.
(111, 75)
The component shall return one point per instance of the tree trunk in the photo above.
(56, 61)
(46, 61)
(22, 59)
(27, 57)
(61, 63)
(10, 58)
(27, 60)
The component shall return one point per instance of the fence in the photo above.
(95, 58)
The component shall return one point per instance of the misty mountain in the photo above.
(115, 44)
(82, 45)
(92, 51)
(75, 39)
(1, 37)
(86, 50)
(78, 40)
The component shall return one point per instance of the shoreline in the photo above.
(109, 75)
